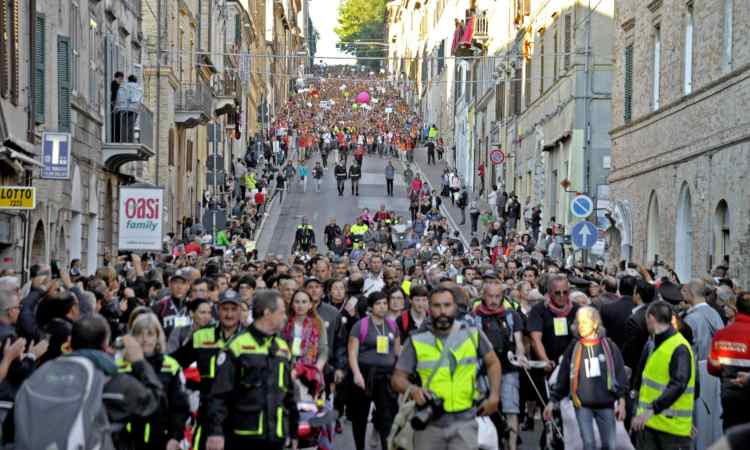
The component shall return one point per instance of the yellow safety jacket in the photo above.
(457, 389)
(358, 235)
(678, 418)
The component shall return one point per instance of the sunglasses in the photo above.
(561, 293)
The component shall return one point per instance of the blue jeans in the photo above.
(605, 421)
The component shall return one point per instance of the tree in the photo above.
(361, 30)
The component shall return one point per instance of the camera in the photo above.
(432, 409)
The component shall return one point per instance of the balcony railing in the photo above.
(225, 91)
(129, 137)
(482, 27)
(193, 104)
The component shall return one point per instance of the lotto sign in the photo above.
(17, 197)
(140, 218)
(497, 156)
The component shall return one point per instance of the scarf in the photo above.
(575, 368)
(557, 311)
(308, 339)
(486, 311)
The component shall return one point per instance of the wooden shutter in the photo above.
(627, 111)
(170, 147)
(15, 46)
(500, 101)
(527, 88)
(555, 55)
(189, 162)
(4, 48)
(238, 30)
(63, 83)
(568, 40)
(541, 62)
(516, 89)
(38, 87)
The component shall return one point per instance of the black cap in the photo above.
(670, 292)
(177, 276)
(580, 283)
(230, 296)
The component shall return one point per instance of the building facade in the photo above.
(680, 144)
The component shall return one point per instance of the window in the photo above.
(656, 69)
(688, 66)
(63, 83)
(527, 88)
(189, 162)
(568, 39)
(627, 110)
(38, 77)
(726, 60)
(500, 101)
(541, 62)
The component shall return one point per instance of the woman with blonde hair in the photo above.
(164, 429)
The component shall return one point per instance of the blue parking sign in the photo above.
(56, 155)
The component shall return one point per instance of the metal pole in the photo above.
(158, 90)
(216, 175)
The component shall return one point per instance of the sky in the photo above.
(325, 18)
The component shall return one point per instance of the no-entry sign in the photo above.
(497, 156)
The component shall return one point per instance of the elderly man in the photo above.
(704, 321)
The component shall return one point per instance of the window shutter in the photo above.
(39, 47)
(568, 40)
(517, 80)
(4, 48)
(555, 55)
(237, 30)
(63, 83)
(189, 162)
(628, 102)
(15, 45)
(170, 148)
(500, 101)
(541, 63)
(527, 89)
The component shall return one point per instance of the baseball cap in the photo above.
(230, 296)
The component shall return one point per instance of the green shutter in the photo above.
(238, 29)
(63, 83)
(38, 92)
(627, 112)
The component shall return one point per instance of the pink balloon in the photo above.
(363, 97)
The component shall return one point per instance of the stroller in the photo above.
(317, 418)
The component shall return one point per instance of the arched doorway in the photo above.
(722, 235)
(38, 244)
(683, 251)
(652, 229)
(76, 218)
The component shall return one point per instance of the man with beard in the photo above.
(447, 382)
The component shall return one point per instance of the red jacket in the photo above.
(730, 347)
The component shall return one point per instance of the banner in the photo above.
(141, 218)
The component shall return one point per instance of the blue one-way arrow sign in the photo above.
(584, 234)
(581, 206)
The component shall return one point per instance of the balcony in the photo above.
(482, 28)
(193, 105)
(226, 92)
(130, 137)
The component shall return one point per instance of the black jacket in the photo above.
(614, 316)
(19, 370)
(636, 336)
(340, 172)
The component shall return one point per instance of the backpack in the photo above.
(507, 339)
(365, 327)
(64, 397)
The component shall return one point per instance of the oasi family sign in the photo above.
(141, 218)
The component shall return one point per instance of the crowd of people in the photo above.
(387, 320)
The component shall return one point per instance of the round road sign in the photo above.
(497, 156)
